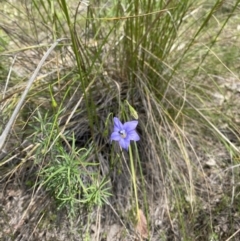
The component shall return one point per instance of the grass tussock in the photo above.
(170, 64)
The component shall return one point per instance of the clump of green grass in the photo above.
(160, 61)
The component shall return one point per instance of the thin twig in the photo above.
(8, 77)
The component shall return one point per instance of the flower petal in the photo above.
(118, 126)
(124, 143)
(130, 125)
(133, 135)
(115, 136)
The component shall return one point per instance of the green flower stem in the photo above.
(134, 180)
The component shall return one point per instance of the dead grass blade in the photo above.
(20, 103)
(141, 227)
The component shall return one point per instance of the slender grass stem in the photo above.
(134, 181)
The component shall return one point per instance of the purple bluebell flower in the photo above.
(124, 133)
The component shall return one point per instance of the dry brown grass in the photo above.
(187, 178)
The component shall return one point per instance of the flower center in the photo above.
(122, 133)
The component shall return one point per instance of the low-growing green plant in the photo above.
(66, 172)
